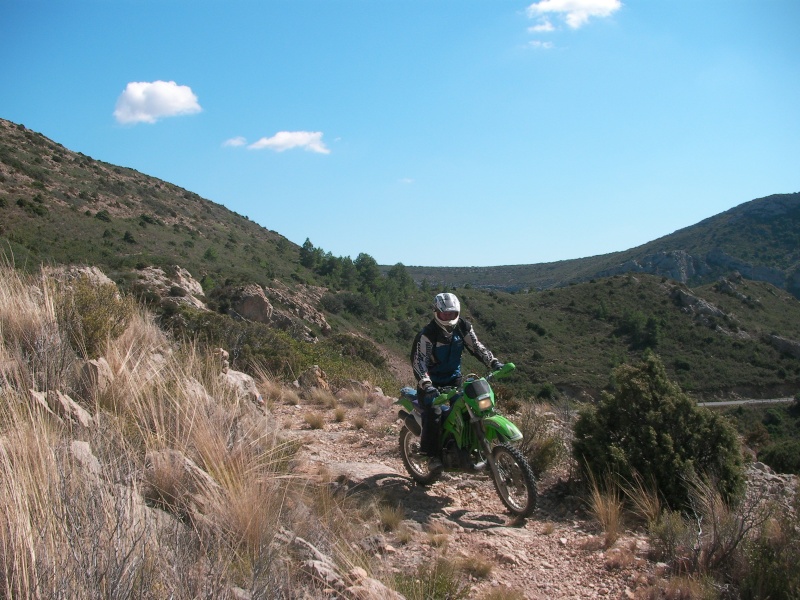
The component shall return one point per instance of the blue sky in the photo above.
(427, 132)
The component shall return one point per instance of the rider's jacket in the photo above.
(436, 354)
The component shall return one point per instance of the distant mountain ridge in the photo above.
(760, 239)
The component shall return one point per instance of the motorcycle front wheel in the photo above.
(514, 480)
(415, 463)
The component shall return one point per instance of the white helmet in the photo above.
(446, 309)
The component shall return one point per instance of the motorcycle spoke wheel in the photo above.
(415, 463)
(514, 480)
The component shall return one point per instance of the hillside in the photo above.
(63, 207)
(568, 325)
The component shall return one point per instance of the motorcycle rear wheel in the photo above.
(515, 483)
(415, 463)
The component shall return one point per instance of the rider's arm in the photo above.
(420, 360)
(477, 349)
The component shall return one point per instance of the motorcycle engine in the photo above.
(455, 458)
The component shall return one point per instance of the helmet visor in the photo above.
(447, 315)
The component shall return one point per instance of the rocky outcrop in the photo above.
(677, 265)
(695, 305)
(93, 274)
(784, 345)
(178, 288)
(301, 302)
(252, 304)
(282, 308)
(719, 259)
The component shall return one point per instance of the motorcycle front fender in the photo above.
(498, 427)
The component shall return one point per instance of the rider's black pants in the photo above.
(431, 425)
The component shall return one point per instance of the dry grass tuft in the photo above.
(291, 397)
(356, 398)
(314, 420)
(605, 506)
(477, 566)
(503, 593)
(339, 414)
(438, 535)
(619, 558)
(644, 500)
(391, 516)
(321, 397)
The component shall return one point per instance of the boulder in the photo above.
(62, 407)
(82, 453)
(39, 401)
(95, 378)
(175, 482)
(68, 409)
(366, 588)
(243, 385)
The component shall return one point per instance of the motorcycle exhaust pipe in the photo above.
(411, 423)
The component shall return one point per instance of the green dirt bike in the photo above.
(473, 435)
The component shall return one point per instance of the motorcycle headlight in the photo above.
(485, 403)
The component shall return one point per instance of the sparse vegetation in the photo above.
(441, 580)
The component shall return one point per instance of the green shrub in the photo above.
(783, 456)
(92, 314)
(649, 428)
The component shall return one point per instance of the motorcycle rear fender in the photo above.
(405, 403)
(497, 426)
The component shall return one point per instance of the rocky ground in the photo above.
(557, 553)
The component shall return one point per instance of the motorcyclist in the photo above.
(436, 360)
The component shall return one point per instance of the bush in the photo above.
(649, 428)
(93, 314)
(783, 456)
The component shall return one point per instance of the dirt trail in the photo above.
(557, 553)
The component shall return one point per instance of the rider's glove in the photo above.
(496, 365)
(429, 393)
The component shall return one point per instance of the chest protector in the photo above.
(444, 363)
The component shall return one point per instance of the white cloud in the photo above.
(576, 12)
(286, 140)
(235, 142)
(540, 44)
(146, 102)
(544, 26)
